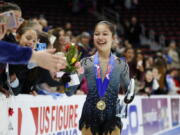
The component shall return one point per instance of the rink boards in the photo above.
(45, 115)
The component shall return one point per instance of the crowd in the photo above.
(154, 73)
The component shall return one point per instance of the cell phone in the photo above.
(9, 19)
(41, 46)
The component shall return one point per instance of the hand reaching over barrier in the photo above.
(46, 59)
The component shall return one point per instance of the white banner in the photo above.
(44, 115)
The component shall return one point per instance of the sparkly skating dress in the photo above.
(102, 121)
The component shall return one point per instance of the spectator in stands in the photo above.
(161, 65)
(84, 48)
(7, 6)
(117, 47)
(68, 27)
(69, 35)
(173, 84)
(28, 77)
(28, 37)
(139, 65)
(130, 58)
(44, 37)
(128, 4)
(60, 41)
(135, 31)
(33, 24)
(84, 44)
(135, 3)
(149, 62)
(151, 84)
(127, 44)
(174, 55)
(126, 27)
(162, 41)
(44, 23)
(47, 80)
(13, 54)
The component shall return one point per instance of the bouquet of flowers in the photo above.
(72, 56)
(69, 74)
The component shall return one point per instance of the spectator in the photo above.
(60, 41)
(35, 57)
(34, 25)
(128, 4)
(135, 31)
(174, 55)
(84, 44)
(149, 62)
(171, 82)
(126, 26)
(10, 36)
(161, 65)
(130, 58)
(139, 65)
(28, 37)
(44, 23)
(68, 27)
(151, 84)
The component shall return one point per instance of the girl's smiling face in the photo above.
(103, 37)
(29, 39)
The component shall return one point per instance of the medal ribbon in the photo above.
(102, 85)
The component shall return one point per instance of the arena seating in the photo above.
(160, 15)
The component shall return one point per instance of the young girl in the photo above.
(105, 73)
(28, 37)
(20, 75)
(60, 41)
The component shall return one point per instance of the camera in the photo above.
(9, 19)
(41, 46)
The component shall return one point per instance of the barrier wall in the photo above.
(44, 115)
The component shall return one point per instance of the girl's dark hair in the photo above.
(29, 23)
(44, 38)
(56, 44)
(109, 24)
(22, 30)
(7, 6)
(127, 49)
(56, 31)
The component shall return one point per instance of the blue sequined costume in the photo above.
(102, 121)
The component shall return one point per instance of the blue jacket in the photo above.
(14, 54)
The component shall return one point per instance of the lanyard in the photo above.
(102, 85)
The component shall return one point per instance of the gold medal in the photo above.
(101, 105)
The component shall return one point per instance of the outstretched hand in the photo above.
(48, 60)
